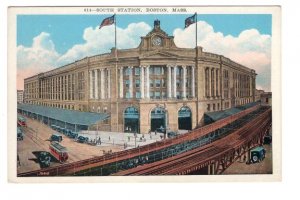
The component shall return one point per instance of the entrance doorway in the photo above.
(185, 118)
(131, 120)
(158, 118)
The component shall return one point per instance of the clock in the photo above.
(157, 41)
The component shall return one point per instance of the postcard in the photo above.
(144, 94)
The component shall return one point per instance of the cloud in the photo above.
(99, 41)
(249, 48)
(42, 55)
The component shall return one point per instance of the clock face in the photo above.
(157, 41)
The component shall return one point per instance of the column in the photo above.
(147, 82)
(250, 80)
(91, 84)
(142, 85)
(60, 87)
(215, 83)
(108, 83)
(54, 85)
(169, 81)
(209, 75)
(130, 82)
(184, 82)
(174, 82)
(193, 81)
(102, 84)
(121, 82)
(67, 87)
(96, 84)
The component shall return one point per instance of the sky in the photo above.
(45, 42)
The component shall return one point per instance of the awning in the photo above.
(64, 115)
(210, 117)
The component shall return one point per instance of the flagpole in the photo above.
(116, 72)
(196, 30)
(116, 36)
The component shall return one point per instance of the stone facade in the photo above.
(20, 96)
(157, 79)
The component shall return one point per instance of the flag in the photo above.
(190, 20)
(107, 21)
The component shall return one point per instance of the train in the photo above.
(59, 152)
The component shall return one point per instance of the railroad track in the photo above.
(195, 159)
(72, 168)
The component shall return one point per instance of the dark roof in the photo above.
(215, 116)
(64, 115)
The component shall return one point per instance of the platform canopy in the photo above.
(210, 117)
(68, 116)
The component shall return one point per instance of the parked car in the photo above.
(56, 137)
(44, 159)
(82, 139)
(257, 154)
(73, 135)
(20, 135)
(268, 139)
(161, 130)
(171, 134)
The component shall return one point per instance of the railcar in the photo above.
(59, 152)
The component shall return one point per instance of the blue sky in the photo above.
(67, 30)
(49, 41)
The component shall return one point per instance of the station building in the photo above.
(154, 85)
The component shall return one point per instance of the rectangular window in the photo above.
(137, 71)
(208, 107)
(157, 83)
(151, 70)
(137, 83)
(163, 83)
(178, 83)
(127, 82)
(178, 71)
(138, 95)
(157, 95)
(127, 95)
(178, 95)
(151, 84)
(151, 95)
(127, 71)
(163, 94)
(157, 71)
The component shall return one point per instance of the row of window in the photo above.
(155, 95)
(153, 70)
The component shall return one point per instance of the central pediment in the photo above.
(158, 55)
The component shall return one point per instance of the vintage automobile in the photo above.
(257, 154)
(56, 137)
(44, 159)
(82, 139)
(73, 135)
(161, 130)
(268, 139)
(20, 135)
(171, 134)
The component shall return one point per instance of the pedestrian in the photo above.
(155, 132)
(108, 138)
(128, 138)
(150, 137)
(18, 160)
